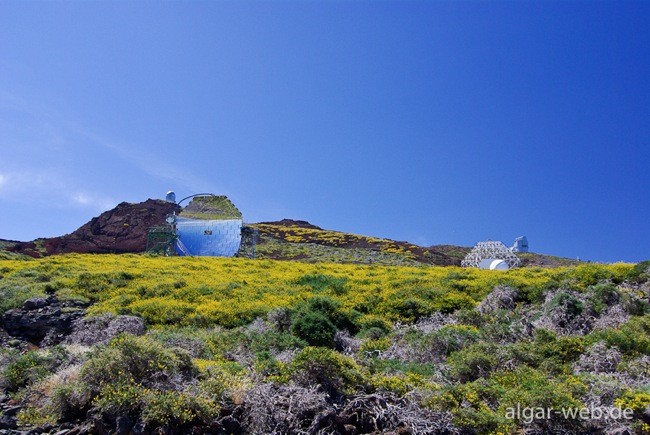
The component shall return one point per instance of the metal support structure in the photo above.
(160, 240)
(490, 249)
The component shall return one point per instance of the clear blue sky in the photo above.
(429, 121)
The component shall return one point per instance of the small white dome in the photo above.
(493, 264)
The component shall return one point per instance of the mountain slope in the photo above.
(120, 230)
(299, 240)
(124, 230)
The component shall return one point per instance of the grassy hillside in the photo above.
(300, 240)
(267, 346)
(231, 291)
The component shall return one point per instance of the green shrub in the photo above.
(472, 362)
(373, 345)
(133, 359)
(561, 349)
(317, 320)
(31, 367)
(399, 384)
(331, 309)
(156, 408)
(451, 338)
(315, 328)
(640, 272)
(266, 364)
(634, 302)
(454, 301)
(570, 304)
(631, 338)
(603, 295)
(375, 327)
(219, 344)
(320, 282)
(394, 366)
(591, 274)
(13, 296)
(71, 399)
(413, 309)
(123, 397)
(172, 408)
(636, 400)
(482, 406)
(336, 373)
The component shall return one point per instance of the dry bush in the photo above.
(258, 326)
(403, 348)
(101, 329)
(286, 356)
(636, 372)
(613, 317)
(501, 298)
(377, 413)
(273, 409)
(602, 391)
(280, 319)
(565, 312)
(598, 359)
(346, 344)
(58, 395)
(434, 322)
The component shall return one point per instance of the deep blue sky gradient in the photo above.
(429, 121)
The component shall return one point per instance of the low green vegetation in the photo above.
(272, 347)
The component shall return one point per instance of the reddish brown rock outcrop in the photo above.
(120, 230)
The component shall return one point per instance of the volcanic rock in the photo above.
(43, 325)
(123, 229)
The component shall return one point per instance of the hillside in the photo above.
(124, 230)
(141, 344)
(120, 230)
(299, 240)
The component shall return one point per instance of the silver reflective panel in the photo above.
(218, 238)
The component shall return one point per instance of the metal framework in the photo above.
(160, 240)
(490, 249)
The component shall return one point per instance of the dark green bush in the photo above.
(640, 272)
(373, 328)
(414, 309)
(568, 302)
(315, 328)
(451, 338)
(563, 349)
(603, 295)
(317, 319)
(331, 309)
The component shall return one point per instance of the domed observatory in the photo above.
(209, 225)
(520, 245)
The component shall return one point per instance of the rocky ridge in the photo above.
(120, 230)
